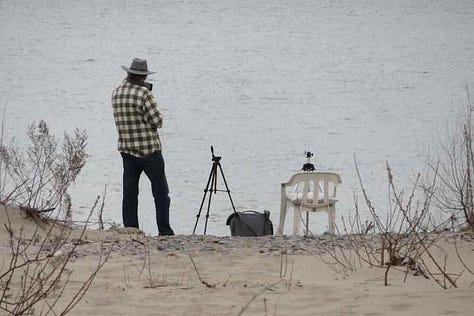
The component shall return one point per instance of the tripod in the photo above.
(211, 187)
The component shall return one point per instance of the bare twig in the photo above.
(207, 284)
(266, 288)
(461, 259)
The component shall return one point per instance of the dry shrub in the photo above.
(404, 239)
(37, 271)
(454, 170)
(37, 178)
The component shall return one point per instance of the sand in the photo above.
(207, 275)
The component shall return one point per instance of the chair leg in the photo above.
(296, 220)
(281, 227)
(306, 231)
(331, 220)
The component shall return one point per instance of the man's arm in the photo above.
(152, 115)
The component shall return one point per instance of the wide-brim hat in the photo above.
(138, 67)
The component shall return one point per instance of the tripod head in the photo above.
(215, 158)
(308, 166)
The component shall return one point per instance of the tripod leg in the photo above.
(226, 187)
(213, 189)
(204, 197)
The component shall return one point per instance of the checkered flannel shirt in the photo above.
(137, 119)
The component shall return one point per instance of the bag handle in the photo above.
(265, 212)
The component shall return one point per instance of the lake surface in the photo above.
(262, 81)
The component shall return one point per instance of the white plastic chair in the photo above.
(299, 192)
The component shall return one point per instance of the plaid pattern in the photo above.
(137, 119)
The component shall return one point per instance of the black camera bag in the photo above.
(250, 223)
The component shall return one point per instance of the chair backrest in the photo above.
(314, 182)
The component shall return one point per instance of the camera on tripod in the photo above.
(308, 166)
(215, 158)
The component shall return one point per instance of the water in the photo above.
(262, 81)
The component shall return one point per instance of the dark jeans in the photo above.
(154, 167)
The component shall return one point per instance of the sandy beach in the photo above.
(207, 275)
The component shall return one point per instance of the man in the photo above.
(137, 119)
